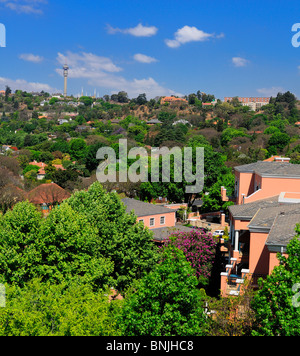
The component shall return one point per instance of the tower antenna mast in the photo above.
(66, 69)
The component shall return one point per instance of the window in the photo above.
(162, 220)
(152, 222)
(141, 220)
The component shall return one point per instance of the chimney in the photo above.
(223, 220)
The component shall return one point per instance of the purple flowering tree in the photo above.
(199, 249)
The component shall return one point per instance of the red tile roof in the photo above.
(48, 194)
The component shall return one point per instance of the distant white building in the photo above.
(63, 121)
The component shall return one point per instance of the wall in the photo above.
(271, 187)
(246, 185)
(240, 224)
(259, 253)
(170, 220)
(273, 260)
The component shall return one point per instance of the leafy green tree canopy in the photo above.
(166, 301)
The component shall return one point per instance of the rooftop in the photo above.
(264, 218)
(247, 211)
(48, 194)
(270, 216)
(283, 229)
(144, 209)
(271, 169)
(162, 234)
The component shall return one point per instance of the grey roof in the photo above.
(247, 211)
(144, 209)
(283, 229)
(264, 218)
(198, 202)
(271, 169)
(162, 234)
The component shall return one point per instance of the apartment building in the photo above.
(262, 221)
(255, 103)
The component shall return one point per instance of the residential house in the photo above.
(46, 196)
(160, 219)
(262, 221)
(63, 121)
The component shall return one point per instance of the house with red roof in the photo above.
(41, 172)
(46, 196)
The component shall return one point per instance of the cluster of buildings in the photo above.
(262, 221)
(41, 174)
(172, 99)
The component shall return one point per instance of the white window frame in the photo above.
(162, 217)
(152, 220)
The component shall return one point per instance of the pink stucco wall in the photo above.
(271, 187)
(170, 220)
(259, 253)
(245, 185)
(273, 261)
(240, 224)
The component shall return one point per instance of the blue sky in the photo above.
(226, 48)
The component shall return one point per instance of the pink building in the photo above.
(263, 221)
(158, 218)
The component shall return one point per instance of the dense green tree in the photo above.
(86, 100)
(69, 248)
(77, 148)
(276, 304)
(67, 309)
(19, 253)
(7, 93)
(279, 140)
(127, 244)
(165, 302)
(62, 247)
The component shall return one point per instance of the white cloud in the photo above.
(86, 65)
(25, 6)
(138, 31)
(273, 91)
(21, 84)
(189, 34)
(239, 62)
(139, 57)
(31, 57)
(102, 72)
